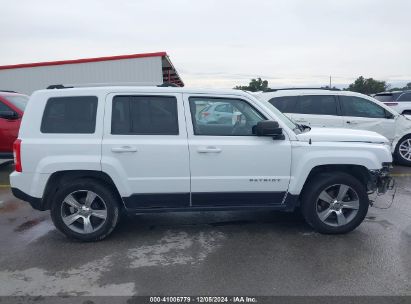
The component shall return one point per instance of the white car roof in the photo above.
(291, 92)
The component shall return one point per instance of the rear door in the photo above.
(311, 110)
(362, 114)
(145, 147)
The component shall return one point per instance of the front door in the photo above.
(362, 114)
(229, 165)
(145, 147)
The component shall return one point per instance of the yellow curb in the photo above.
(400, 174)
(4, 186)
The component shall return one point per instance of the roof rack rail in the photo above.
(7, 91)
(283, 89)
(57, 86)
(82, 85)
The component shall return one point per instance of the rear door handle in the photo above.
(352, 122)
(209, 150)
(124, 149)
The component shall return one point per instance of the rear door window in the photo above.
(317, 105)
(285, 104)
(144, 115)
(71, 115)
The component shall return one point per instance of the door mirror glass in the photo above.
(269, 128)
(9, 115)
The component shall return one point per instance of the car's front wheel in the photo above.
(402, 152)
(86, 210)
(334, 203)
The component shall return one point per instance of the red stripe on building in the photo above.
(85, 60)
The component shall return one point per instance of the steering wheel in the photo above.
(236, 128)
(239, 129)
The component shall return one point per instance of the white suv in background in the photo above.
(87, 154)
(400, 101)
(345, 109)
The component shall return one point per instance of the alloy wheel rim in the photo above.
(337, 205)
(83, 211)
(405, 149)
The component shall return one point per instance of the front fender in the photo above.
(306, 157)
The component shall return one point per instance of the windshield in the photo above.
(281, 116)
(19, 101)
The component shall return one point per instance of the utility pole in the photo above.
(330, 81)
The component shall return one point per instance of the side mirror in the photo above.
(269, 128)
(9, 115)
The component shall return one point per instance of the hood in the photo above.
(341, 135)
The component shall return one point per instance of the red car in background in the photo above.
(12, 107)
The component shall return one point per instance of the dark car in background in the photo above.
(12, 107)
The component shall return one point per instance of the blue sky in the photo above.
(222, 43)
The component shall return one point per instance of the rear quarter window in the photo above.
(70, 115)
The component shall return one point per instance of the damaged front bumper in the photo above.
(380, 180)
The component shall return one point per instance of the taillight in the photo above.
(17, 155)
(205, 114)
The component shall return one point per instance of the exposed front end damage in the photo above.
(380, 180)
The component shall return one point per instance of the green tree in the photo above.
(255, 85)
(368, 86)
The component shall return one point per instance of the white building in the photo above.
(136, 69)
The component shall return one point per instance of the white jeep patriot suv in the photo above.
(88, 154)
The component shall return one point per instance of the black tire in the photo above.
(104, 192)
(312, 192)
(399, 159)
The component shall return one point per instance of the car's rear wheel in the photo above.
(334, 203)
(85, 210)
(402, 152)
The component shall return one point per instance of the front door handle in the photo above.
(209, 150)
(123, 149)
(352, 122)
